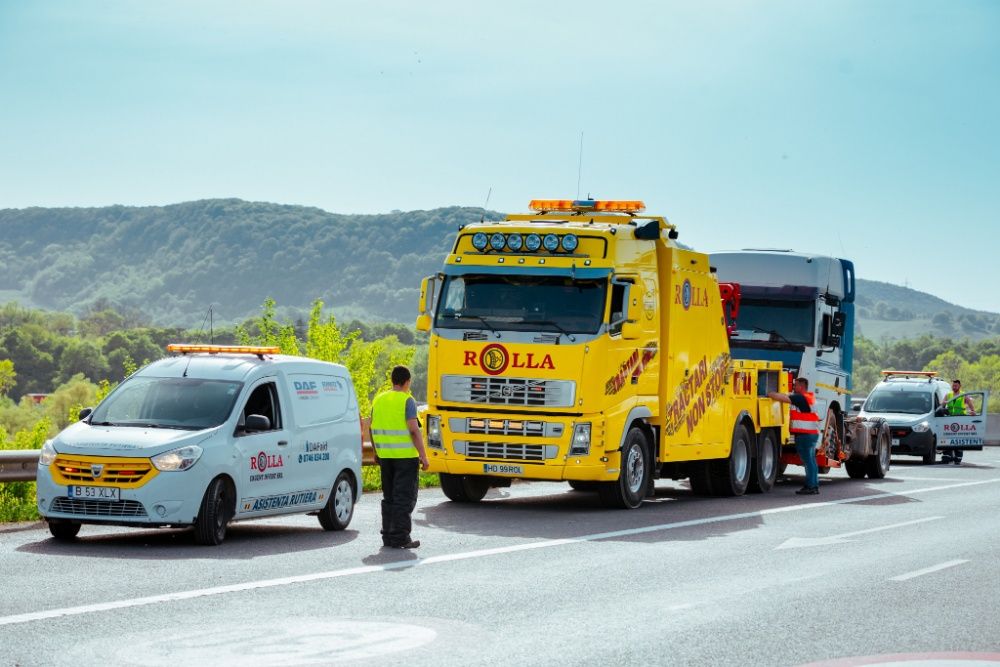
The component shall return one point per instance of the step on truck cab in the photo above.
(581, 343)
(211, 435)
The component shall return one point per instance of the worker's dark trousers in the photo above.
(399, 497)
(805, 447)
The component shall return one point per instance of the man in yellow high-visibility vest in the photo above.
(399, 450)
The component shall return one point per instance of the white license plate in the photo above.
(895, 441)
(502, 469)
(95, 492)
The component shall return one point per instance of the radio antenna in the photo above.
(579, 166)
(482, 218)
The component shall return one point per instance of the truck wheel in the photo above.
(216, 510)
(931, 456)
(701, 478)
(339, 508)
(856, 468)
(64, 531)
(464, 488)
(629, 489)
(765, 467)
(583, 485)
(731, 475)
(878, 463)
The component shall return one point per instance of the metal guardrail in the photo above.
(19, 465)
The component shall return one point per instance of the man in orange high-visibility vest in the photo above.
(804, 425)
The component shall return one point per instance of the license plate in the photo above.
(895, 441)
(502, 469)
(95, 492)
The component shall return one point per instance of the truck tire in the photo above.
(216, 510)
(731, 475)
(701, 478)
(64, 531)
(629, 489)
(931, 456)
(583, 485)
(339, 508)
(878, 463)
(856, 468)
(464, 488)
(764, 471)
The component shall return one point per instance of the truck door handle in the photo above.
(282, 443)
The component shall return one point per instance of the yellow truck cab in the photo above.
(581, 343)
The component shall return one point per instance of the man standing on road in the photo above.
(954, 407)
(805, 426)
(399, 450)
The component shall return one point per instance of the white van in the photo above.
(215, 434)
(912, 403)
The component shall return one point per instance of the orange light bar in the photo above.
(579, 205)
(184, 348)
(929, 374)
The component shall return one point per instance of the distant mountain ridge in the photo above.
(172, 262)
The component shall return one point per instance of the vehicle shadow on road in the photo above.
(243, 542)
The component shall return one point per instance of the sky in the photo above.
(865, 129)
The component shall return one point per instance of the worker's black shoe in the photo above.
(957, 461)
(412, 544)
(946, 459)
(808, 491)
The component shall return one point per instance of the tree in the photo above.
(8, 376)
(84, 358)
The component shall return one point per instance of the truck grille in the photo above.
(82, 507)
(505, 451)
(111, 471)
(508, 391)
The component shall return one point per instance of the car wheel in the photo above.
(339, 508)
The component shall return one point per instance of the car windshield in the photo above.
(905, 402)
(522, 303)
(181, 403)
(788, 322)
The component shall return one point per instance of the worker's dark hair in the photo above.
(400, 374)
(958, 381)
(804, 381)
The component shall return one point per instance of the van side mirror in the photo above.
(940, 412)
(257, 423)
(84, 413)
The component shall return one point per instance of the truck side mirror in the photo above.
(428, 289)
(833, 329)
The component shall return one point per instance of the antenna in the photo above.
(211, 325)
(482, 218)
(579, 166)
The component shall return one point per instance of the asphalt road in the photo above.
(539, 575)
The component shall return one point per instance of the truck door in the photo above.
(965, 432)
(263, 454)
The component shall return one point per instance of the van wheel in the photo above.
(464, 488)
(339, 508)
(731, 475)
(878, 463)
(64, 531)
(856, 468)
(629, 489)
(765, 467)
(215, 513)
(931, 456)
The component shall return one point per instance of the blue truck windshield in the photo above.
(788, 322)
(181, 403)
(522, 303)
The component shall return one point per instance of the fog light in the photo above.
(160, 509)
(581, 439)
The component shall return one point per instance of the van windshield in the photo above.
(905, 402)
(181, 403)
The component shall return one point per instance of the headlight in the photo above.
(532, 242)
(497, 241)
(514, 242)
(177, 459)
(922, 427)
(434, 432)
(581, 439)
(479, 241)
(48, 454)
(570, 242)
(551, 242)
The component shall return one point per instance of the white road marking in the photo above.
(928, 570)
(930, 479)
(796, 542)
(447, 558)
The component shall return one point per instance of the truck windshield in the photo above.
(522, 303)
(905, 402)
(181, 403)
(788, 322)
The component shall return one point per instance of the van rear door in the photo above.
(965, 432)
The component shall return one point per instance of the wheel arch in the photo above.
(744, 419)
(637, 417)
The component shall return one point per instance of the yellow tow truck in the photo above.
(581, 343)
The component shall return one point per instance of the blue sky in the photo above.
(867, 129)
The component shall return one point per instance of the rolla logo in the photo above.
(495, 359)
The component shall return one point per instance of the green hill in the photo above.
(172, 262)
